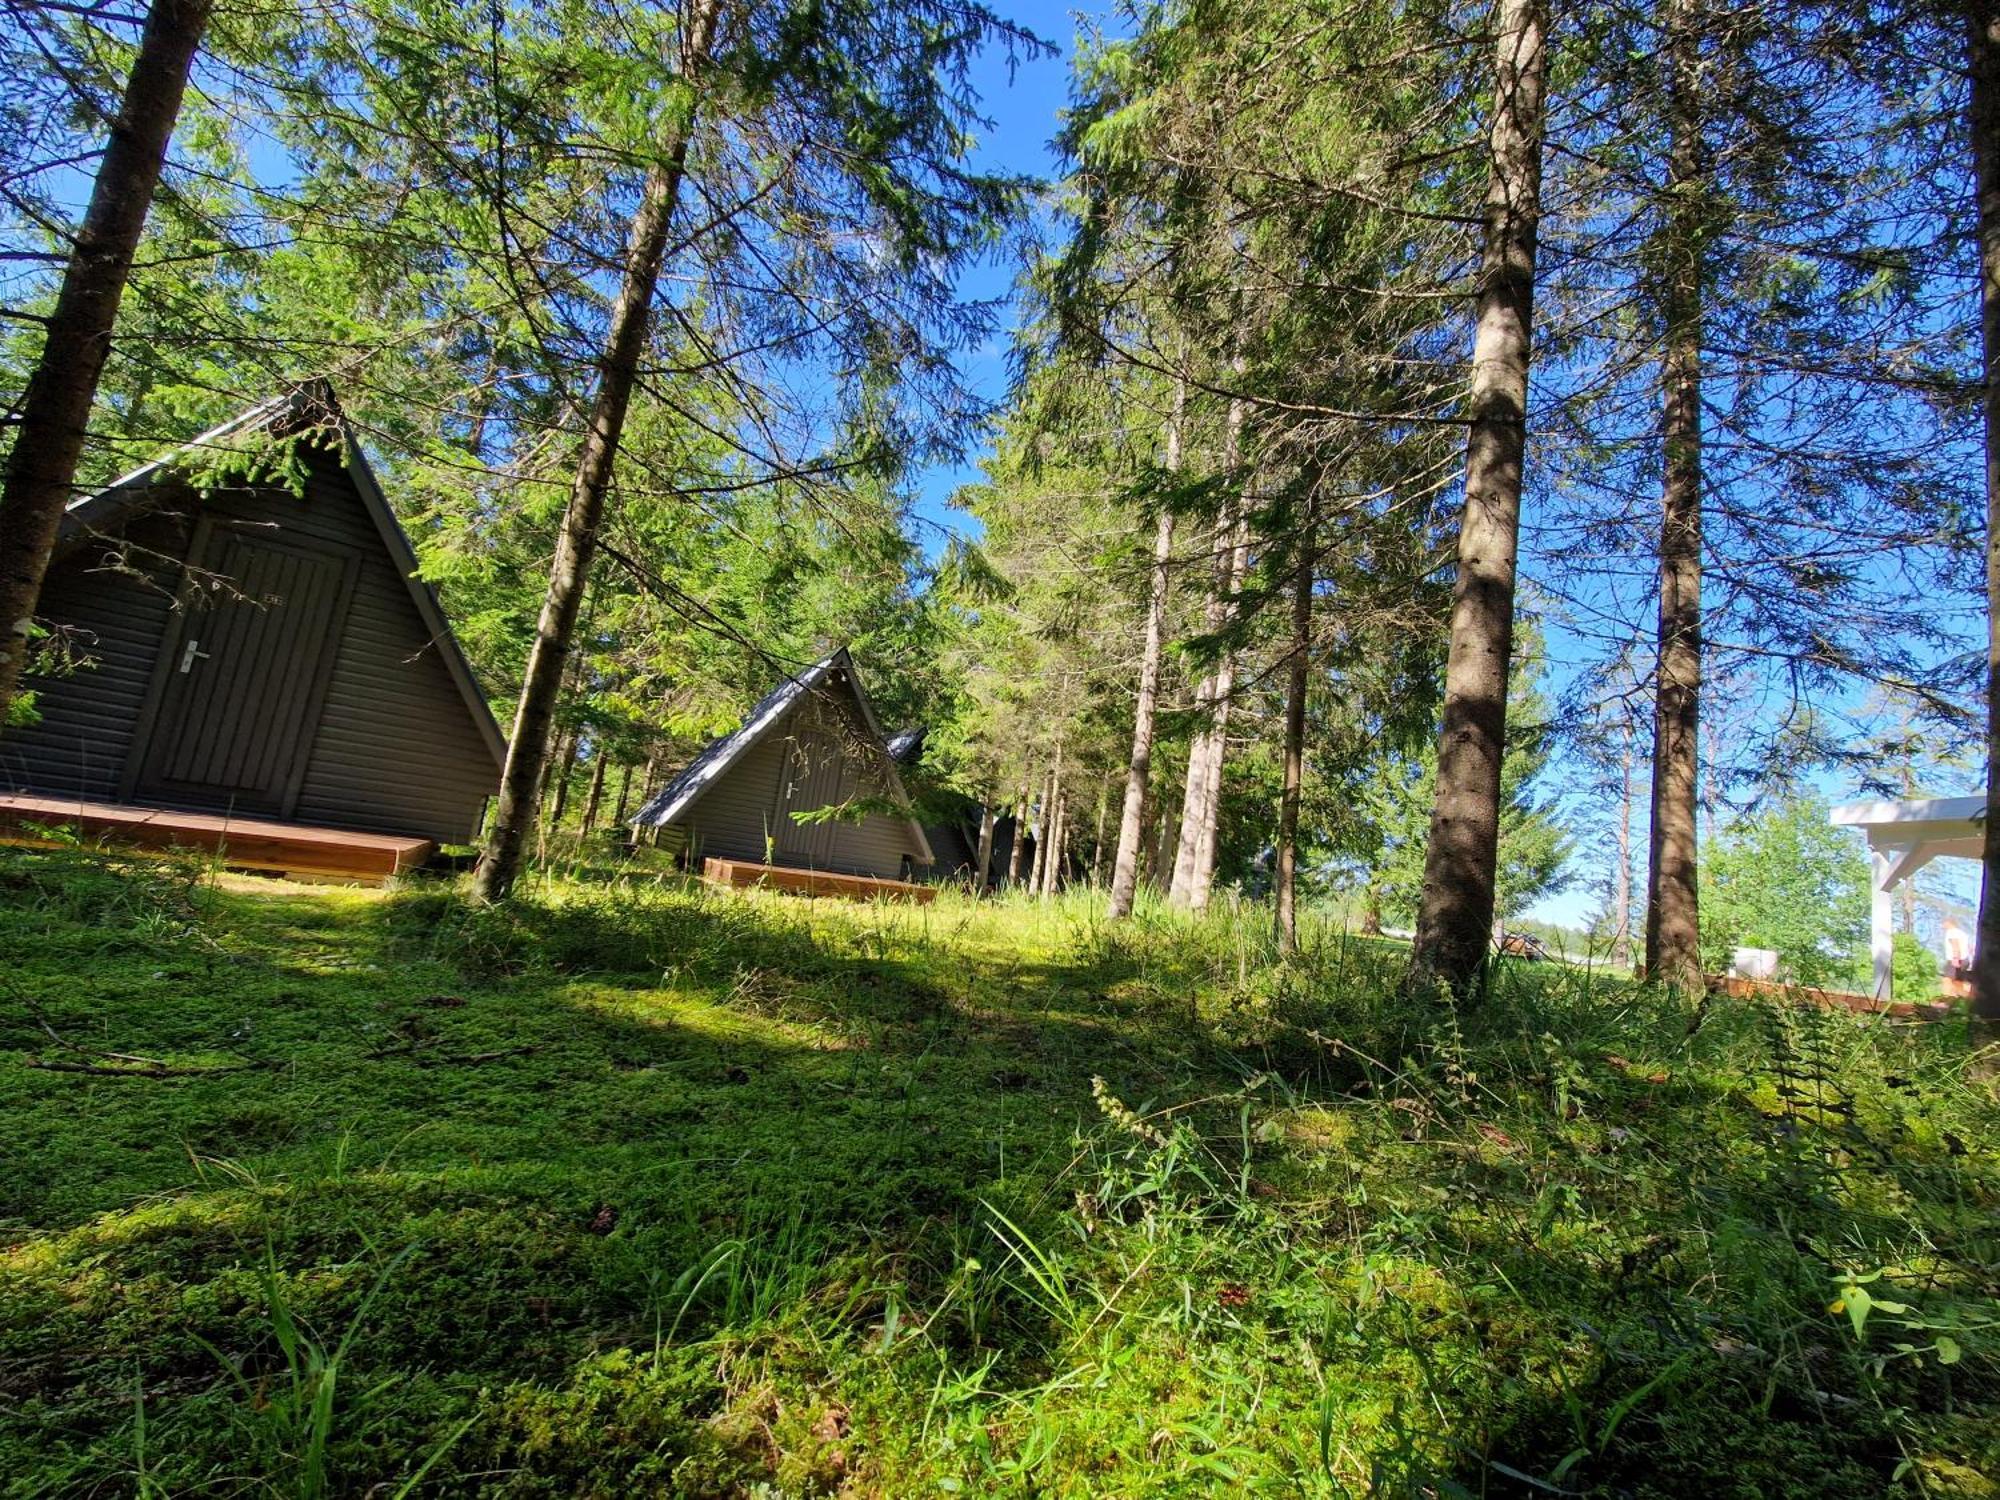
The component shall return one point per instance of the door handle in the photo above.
(190, 654)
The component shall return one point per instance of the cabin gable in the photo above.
(817, 746)
(353, 709)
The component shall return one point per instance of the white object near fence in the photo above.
(1903, 837)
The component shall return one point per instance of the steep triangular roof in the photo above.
(312, 403)
(700, 774)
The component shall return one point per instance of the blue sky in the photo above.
(1025, 104)
(1024, 101)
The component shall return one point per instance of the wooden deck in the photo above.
(330, 854)
(739, 872)
(1806, 994)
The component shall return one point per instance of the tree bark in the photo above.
(624, 802)
(1621, 889)
(986, 822)
(1052, 819)
(1371, 912)
(1058, 831)
(596, 794)
(1139, 771)
(618, 369)
(1020, 836)
(1097, 839)
(1983, 55)
(1042, 816)
(1455, 918)
(1156, 858)
(1202, 797)
(564, 770)
(55, 408)
(1673, 933)
(1201, 875)
(1295, 747)
(647, 836)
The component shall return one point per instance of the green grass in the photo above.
(633, 1189)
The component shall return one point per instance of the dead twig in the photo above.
(469, 1058)
(127, 1064)
(424, 1055)
(155, 1070)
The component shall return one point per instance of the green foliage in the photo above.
(1390, 823)
(636, 1183)
(1915, 969)
(1783, 878)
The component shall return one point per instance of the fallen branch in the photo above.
(423, 1053)
(152, 1070)
(481, 1057)
(400, 1049)
(137, 1066)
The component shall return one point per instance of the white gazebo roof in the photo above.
(1915, 833)
(1903, 837)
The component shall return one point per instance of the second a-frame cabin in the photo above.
(245, 658)
(811, 745)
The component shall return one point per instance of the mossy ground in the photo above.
(630, 1189)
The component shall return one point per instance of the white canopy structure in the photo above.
(1903, 837)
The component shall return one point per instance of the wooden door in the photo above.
(239, 686)
(815, 777)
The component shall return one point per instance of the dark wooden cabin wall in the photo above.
(734, 818)
(113, 620)
(396, 749)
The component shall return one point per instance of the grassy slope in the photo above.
(816, 1197)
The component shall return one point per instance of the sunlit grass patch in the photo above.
(635, 1184)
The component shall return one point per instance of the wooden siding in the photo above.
(734, 817)
(115, 621)
(395, 749)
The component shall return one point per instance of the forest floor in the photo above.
(630, 1189)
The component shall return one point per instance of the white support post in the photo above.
(1881, 918)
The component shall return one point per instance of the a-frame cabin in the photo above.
(812, 744)
(254, 648)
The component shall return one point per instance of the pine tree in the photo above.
(1454, 923)
(1982, 21)
(54, 414)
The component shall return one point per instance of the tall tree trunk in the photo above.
(1046, 810)
(596, 793)
(565, 770)
(1455, 919)
(1020, 836)
(986, 822)
(1201, 798)
(647, 836)
(1201, 873)
(1194, 794)
(1621, 888)
(1673, 933)
(1097, 839)
(624, 802)
(55, 408)
(1157, 864)
(1052, 866)
(1139, 771)
(1983, 55)
(1052, 821)
(618, 369)
(1295, 746)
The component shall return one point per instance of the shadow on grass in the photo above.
(696, 1193)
